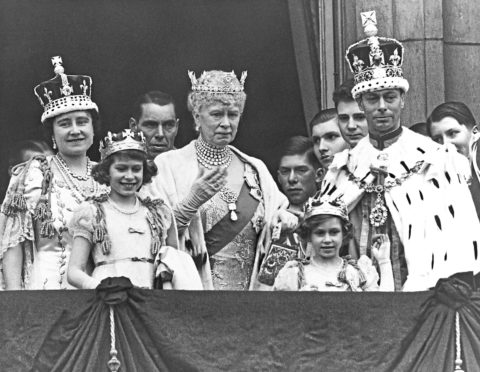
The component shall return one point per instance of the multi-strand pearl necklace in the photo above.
(65, 168)
(79, 192)
(211, 156)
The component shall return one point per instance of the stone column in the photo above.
(462, 52)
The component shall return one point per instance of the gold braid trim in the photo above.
(155, 222)
(342, 275)
(15, 200)
(100, 234)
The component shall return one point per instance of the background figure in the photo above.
(24, 150)
(44, 192)
(420, 128)
(327, 140)
(224, 201)
(154, 114)
(297, 171)
(326, 136)
(452, 122)
(351, 120)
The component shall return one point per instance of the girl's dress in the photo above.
(352, 276)
(132, 243)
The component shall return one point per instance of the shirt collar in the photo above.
(380, 142)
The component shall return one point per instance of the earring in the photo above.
(54, 144)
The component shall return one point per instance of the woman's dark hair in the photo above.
(101, 171)
(307, 226)
(47, 126)
(457, 110)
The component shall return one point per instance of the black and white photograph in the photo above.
(200, 185)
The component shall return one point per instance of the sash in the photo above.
(225, 230)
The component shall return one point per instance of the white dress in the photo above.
(130, 235)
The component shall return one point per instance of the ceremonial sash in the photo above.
(225, 230)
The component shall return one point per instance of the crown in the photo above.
(217, 82)
(125, 140)
(326, 205)
(376, 62)
(64, 93)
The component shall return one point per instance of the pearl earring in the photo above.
(54, 144)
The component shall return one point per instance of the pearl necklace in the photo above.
(134, 210)
(211, 156)
(65, 167)
(79, 192)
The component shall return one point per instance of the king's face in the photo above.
(382, 109)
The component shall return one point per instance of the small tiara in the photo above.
(326, 205)
(125, 140)
(217, 82)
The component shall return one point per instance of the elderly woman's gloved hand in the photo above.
(285, 221)
(205, 186)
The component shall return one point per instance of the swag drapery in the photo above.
(257, 331)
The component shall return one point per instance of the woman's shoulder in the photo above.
(26, 184)
(177, 155)
(37, 165)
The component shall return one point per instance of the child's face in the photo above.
(327, 238)
(126, 175)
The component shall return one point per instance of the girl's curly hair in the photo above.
(307, 226)
(101, 171)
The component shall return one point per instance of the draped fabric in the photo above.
(430, 346)
(80, 342)
(310, 8)
(221, 331)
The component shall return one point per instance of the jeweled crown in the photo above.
(376, 62)
(325, 205)
(125, 140)
(217, 82)
(64, 93)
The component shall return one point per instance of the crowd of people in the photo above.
(364, 203)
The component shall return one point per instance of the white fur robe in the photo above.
(432, 210)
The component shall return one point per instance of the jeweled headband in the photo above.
(217, 85)
(326, 205)
(125, 140)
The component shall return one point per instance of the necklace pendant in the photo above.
(379, 213)
(232, 207)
